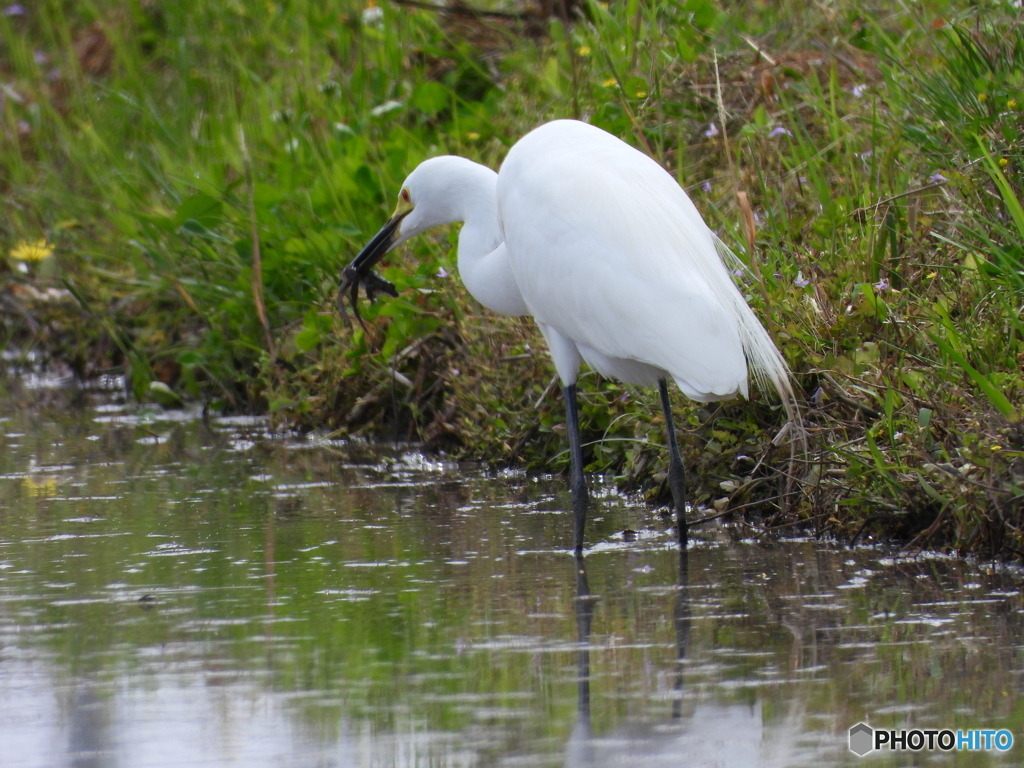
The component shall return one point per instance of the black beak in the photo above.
(374, 251)
(359, 271)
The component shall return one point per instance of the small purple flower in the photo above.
(712, 131)
(777, 275)
(737, 273)
(706, 186)
(801, 281)
(39, 57)
(937, 178)
(882, 285)
(442, 272)
(778, 130)
(858, 91)
(14, 9)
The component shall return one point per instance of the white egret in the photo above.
(602, 247)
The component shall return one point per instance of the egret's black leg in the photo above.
(577, 484)
(676, 473)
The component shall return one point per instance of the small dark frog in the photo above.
(372, 283)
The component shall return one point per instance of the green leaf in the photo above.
(266, 196)
(306, 339)
(550, 77)
(202, 208)
(685, 50)
(430, 97)
(635, 87)
(1010, 198)
(196, 228)
(997, 398)
(874, 306)
(924, 417)
(704, 13)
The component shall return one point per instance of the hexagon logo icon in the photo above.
(862, 738)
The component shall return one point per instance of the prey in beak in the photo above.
(360, 271)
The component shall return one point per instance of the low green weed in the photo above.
(867, 170)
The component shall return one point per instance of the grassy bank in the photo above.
(198, 173)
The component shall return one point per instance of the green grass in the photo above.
(160, 147)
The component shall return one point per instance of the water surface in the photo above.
(178, 593)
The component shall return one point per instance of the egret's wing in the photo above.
(610, 251)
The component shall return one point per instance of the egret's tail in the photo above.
(765, 360)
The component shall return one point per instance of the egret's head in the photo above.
(425, 201)
(431, 194)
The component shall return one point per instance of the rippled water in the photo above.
(174, 594)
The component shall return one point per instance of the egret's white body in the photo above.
(627, 283)
(603, 248)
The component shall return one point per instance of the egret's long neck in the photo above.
(475, 203)
(472, 195)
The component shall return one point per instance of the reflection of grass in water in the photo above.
(885, 198)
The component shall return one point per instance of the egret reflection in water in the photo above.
(698, 735)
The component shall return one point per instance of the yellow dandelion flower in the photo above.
(472, 135)
(641, 94)
(583, 50)
(982, 97)
(1003, 162)
(932, 275)
(26, 251)
(1011, 104)
(609, 82)
(997, 447)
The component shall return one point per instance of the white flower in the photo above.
(373, 16)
